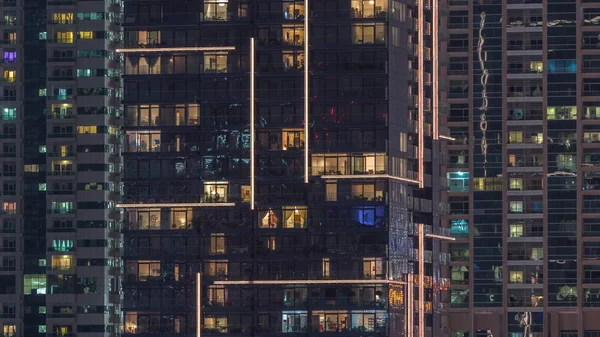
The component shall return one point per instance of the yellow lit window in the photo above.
(217, 243)
(217, 268)
(516, 276)
(294, 217)
(215, 62)
(293, 35)
(403, 142)
(326, 268)
(12, 37)
(148, 270)
(87, 129)
(215, 10)
(62, 18)
(246, 193)
(64, 37)
(536, 66)
(32, 168)
(215, 191)
(562, 112)
(62, 261)
(516, 230)
(516, 183)
(292, 139)
(331, 192)
(537, 138)
(515, 137)
(10, 75)
(9, 330)
(86, 35)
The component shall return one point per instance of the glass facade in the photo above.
(306, 220)
(521, 169)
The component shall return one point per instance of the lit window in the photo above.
(85, 72)
(217, 295)
(536, 66)
(62, 262)
(143, 142)
(293, 10)
(42, 92)
(458, 181)
(34, 284)
(148, 270)
(516, 276)
(62, 18)
(215, 191)
(10, 56)
(9, 114)
(41, 186)
(217, 243)
(42, 310)
(64, 37)
(269, 220)
(293, 60)
(42, 148)
(43, 36)
(293, 35)
(516, 207)
(326, 268)
(562, 112)
(9, 207)
(217, 268)
(62, 207)
(181, 218)
(215, 10)
(10, 76)
(362, 9)
(215, 62)
(294, 217)
(516, 230)
(62, 245)
(368, 33)
(41, 328)
(459, 228)
(562, 66)
(86, 35)
(9, 330)
(131, 323)
(537, 254)
(87, 129)
(12, 37)
(144, 219)
(516, 183)
(515, 137)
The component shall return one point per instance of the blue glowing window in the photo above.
(562, 66)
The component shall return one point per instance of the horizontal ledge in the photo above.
(441, 237)
(447, 137)
(158, 50)
(189, 204)
(266, 282)
(368, 176)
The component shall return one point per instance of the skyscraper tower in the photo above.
(522, 103)
(60, 116)
(281, 160)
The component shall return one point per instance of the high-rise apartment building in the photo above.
(523, 166)
(60, 125)
(281, 159)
